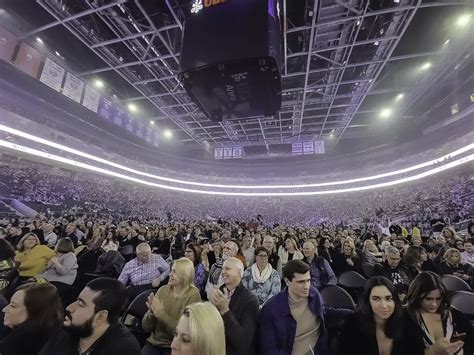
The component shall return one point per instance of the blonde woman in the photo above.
(32, 256)
(347, 259)
(200, 331)
(371, 253)
(166, 307)
(288, 252)
(452, 265)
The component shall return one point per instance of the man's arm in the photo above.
(164, 268)
(332, 276)
(125, 274)
(269, 341)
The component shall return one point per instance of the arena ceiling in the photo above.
(348, 64)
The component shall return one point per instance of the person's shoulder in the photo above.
(121, 341)
(275, 302)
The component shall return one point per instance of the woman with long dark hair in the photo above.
(34, 314)
(431, 327)
(376, 327)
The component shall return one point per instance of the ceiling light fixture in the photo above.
(399, 97)
(152, 122)
(426, 66)
(57, 53)
(168, 134)
(39, 40)
(386, 112)
(99, 84)
(132, 107)
(463, 20)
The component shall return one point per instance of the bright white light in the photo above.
(358, 22)
(132, 107)
(399, 97)
(197, 6)
(168, 134)
(463, 20)
(386, 112)
(152, 122)
(57, 53)
(426, 66)
(63, 160)
(376, 43)
(99, 84)
(184, 182)
(446, 42)
(39, 40)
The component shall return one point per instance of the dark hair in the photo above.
(412, 255)
(65, 245)
(43, 305)
(6, 250)
(259, 249)
(197, 252)
(422, 284)
(293, 267)
(364, 310)
(112, 297)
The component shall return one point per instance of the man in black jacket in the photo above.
(238, 307)
(92, 326)
(392, 270)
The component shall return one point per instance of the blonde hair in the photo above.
(449, 252)
(351, 244)
(206, 328)
(20, 246)
(293, 242)
(184, 269)
(452, 230)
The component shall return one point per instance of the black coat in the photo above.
(117, 340)
(339, 264)
(413, 334)
(23, 340)
(240, 322)
(355, 342)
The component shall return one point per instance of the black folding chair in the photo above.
(352, 282)
(369, 269)
(463, 301)
(132, 318)
(337, 297)
(454, 284)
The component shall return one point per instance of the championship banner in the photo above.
(7, 45)
(28, 60)
(297, 148)
(91, 99)
(105, 108)
(73, 87)
(218, 153)
(52, 75)
(118, 115)
(227, 153)
(319, 147)
(237, 152)
(308, 147)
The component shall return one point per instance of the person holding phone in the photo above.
(431, 327)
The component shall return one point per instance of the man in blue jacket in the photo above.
(293, 321)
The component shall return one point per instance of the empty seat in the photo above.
(337, 297)
(453, 283)
(351, 279)
(369, 269)
(132, 317)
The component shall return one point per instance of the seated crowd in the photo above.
(69, 285)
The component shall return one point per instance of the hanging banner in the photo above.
(105, 108)
(308, 147)
(297, 148)
(227, 153)
(73, 87)
(28, 60)
(218, 153)
(319, 147)
(91, 98)
(118, 114)
(52, 74)
(237, 152)
(7, 45)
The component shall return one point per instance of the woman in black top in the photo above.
(376, 327)
(326, 249)
(347, 259)
(430, 326)
(34, 313)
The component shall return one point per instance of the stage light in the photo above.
(152, 122)
(385, 113)
(132, 108)
(99, 84)
(39, 40)
(463, 20)
(426, 66)
(46, 155)
(168, 134)
(57, 53)
(186, 182)
(399, 97)
(446, 42)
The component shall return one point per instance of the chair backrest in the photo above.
(369, 269)
(138, 307)
(351, 279)
(337, 297)
(463, 301)
(127, 250)
(454, 283)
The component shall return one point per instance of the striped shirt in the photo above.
(137, 273)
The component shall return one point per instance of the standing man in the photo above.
(293, 321)
(238, 307)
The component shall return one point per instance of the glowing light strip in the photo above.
(49, 156)
(184, 182)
